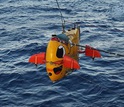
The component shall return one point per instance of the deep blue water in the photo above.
(25, 28)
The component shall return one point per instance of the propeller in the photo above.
(67, 61)
(93, 53)
(38, 58)
(89, 51)
(70, 63)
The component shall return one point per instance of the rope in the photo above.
(62, 18)
(112, 53)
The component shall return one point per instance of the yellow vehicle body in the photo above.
(62, 54)
(56, 51)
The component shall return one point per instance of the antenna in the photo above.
(62, 18)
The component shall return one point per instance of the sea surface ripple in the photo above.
(25, 29)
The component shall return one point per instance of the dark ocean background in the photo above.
(25, 29)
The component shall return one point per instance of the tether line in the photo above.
(62, 18)
(112, 53)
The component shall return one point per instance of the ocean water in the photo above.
(25, 29)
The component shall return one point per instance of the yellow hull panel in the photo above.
(56, 51)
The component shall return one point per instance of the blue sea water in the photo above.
(25, 28)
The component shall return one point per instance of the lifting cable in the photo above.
(62, 18)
